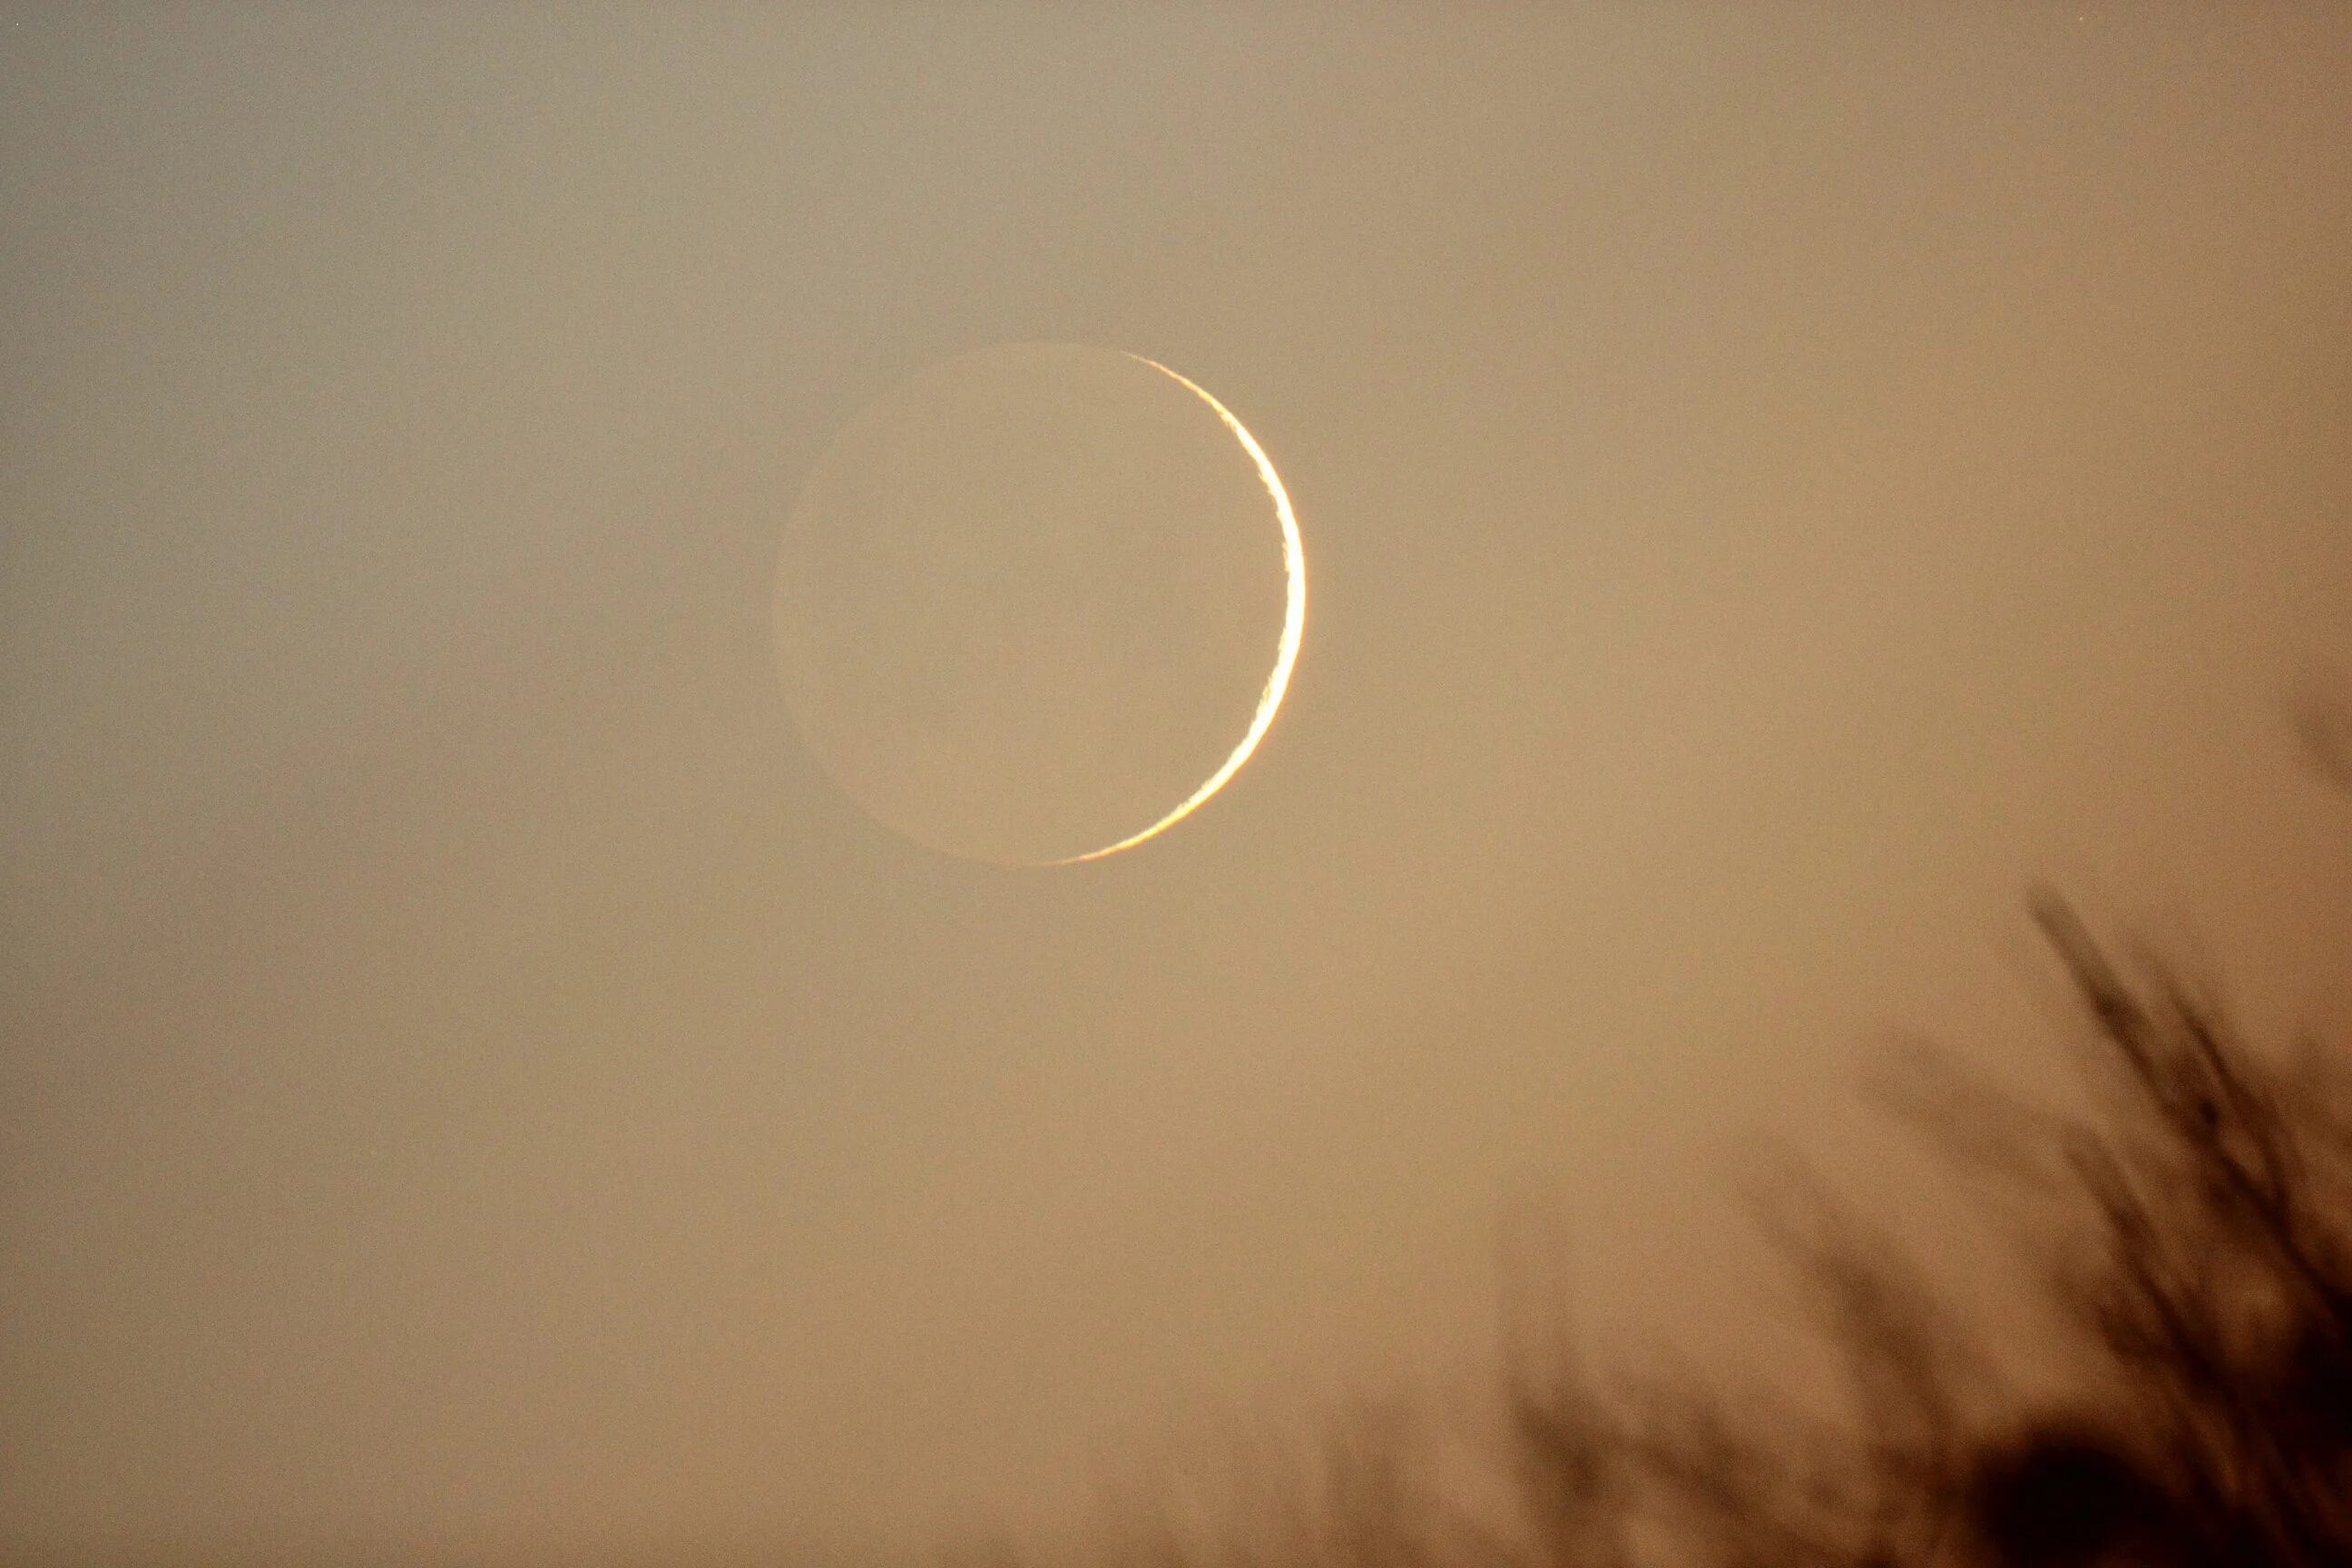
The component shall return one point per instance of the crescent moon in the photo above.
(1286, 657)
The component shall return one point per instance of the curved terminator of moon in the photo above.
(1030, 609)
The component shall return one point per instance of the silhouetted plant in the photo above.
(2196, 1235)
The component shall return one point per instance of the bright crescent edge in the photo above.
(1294, 626)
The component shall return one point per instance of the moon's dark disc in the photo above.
(1029, 601)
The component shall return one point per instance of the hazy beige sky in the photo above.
(1774, 479)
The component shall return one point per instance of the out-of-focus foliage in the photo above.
(2195, 1237)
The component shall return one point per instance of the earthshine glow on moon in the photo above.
(1028, 599)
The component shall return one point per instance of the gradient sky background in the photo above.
(1774, 479)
